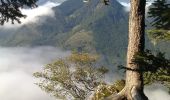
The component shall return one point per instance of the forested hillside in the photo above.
(91, 27)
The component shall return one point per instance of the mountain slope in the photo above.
(108, 27)
(93, 27)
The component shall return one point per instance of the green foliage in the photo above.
(10, 9)
(161, 76)
(83, 40)
(159, 12)
(74, 77)
(105, 90)
(160, 17)
(152, 62)
(156, 68)
(157, 35)
(87, 26)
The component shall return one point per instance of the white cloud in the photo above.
(157, 93)
(34, 15)
(17, 64)
(126, 4)
(17, 85)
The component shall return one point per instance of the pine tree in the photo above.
(10, 9)
(156, 67)
(134, 86)
(159, 12)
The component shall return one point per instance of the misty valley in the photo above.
(19, 64)
(17, 67)
(85, 50)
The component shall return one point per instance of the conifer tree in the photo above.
(10, 9)
(159, 12)
(134, 86)
(160, 20)
(157, 66)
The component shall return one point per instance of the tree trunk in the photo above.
(134, 79)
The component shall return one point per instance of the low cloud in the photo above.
(157, 92)
(17, 64)
(16, 68)
(34, 15)
(126, 4)
(43, 10)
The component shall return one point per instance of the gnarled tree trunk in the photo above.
(134, 80)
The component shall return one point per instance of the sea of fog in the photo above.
(17, 64)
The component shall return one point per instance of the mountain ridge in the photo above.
(99, 28)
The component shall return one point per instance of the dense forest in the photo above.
(103, 38)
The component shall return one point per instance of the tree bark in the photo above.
(134, 79)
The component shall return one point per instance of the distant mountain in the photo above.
(40, 2)
(91, 27)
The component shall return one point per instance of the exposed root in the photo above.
(128, 94)
(119, 96)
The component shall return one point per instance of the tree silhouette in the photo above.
(159, 12)
(10, 9)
